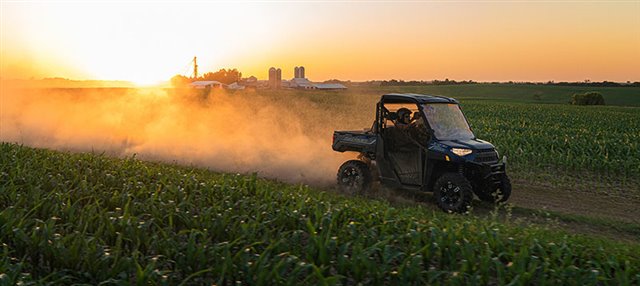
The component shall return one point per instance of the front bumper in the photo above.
(487, 171)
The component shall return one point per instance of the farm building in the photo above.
(234, 86)
(333, 86)
(301, 82)
(202, 84)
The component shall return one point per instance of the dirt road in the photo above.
(568, 201)
(590, 213)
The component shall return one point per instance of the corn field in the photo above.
(600, 140)
(90, 219)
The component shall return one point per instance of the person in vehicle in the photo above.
(414, 129)
(398, 134)
(418, 129)
(404, 118)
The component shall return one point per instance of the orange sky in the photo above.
(148, 42)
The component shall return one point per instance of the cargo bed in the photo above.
(357, 141)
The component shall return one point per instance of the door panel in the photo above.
(408, 166)
(404, 155)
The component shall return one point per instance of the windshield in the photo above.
(447, 121)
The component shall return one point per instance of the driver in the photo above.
(404, 118)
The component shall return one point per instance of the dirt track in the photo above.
(559, 200)
(566, 201)
(590, 213)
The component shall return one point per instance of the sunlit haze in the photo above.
(147, 42)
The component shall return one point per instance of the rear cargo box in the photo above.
(356, 141)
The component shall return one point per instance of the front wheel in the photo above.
(497, 194)
(354, 177)
(453, 193)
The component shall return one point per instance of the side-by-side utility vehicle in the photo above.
(423, 143)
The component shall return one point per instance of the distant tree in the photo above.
(226, 76)
(180, 81)
(395, 82)
(587, 98)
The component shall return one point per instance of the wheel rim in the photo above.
(497, 195)
(351, 179)
(451, 194)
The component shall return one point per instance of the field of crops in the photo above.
(604, 140)
(84, 218)
(521, 93)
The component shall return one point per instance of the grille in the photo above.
(486, 155)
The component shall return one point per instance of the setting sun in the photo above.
(136, 42)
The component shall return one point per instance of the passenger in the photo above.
(416, 120)
(413, 127)
(418, 129)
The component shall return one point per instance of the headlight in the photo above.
(460, 151)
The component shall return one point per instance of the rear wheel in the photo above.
(354, 177)
(497, 194)
(453, 193)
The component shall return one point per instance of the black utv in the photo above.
(423, 143)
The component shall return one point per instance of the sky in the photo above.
(148, 42)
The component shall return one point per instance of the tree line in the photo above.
(394, 82)
(226, 76)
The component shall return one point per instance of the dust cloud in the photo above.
(284, 135)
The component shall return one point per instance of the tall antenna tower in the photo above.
(195, 67)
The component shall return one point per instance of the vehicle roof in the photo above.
(416, 98)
